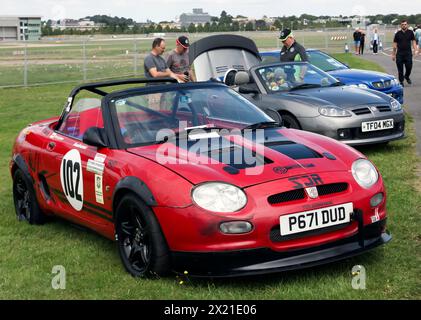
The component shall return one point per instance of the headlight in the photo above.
(219, 197)
(395, 82)
(332, 111)
(364, 173)
(359, 85)
(395, 105)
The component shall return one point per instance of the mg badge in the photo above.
(373, 109)
(312, 192)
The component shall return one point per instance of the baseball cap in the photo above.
(285, 34)
(183, 41)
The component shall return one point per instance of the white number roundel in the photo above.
(72, 179)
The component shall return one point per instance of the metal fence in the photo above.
(81, 59)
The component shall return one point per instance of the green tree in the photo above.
(191, 28)
(250, 26)
(207, 27)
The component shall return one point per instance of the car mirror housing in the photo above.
(94, 136)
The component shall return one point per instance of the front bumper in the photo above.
(264, 260)
(351, 127)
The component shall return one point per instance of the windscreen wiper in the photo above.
(305, 86)
(261, 125)
(337, 84)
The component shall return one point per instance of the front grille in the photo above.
(361, 111)
(383, 108)
(299, 194)
(332, 188)
(287, 196)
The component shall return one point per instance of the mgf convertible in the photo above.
(306, 97)
(181, 182)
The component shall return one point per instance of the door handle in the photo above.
(51, 145)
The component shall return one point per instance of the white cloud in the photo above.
(157, 10)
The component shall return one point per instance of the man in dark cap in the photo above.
(292, 50)
(178, 59)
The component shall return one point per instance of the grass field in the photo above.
(94, 271)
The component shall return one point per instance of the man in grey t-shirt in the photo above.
(178, 59)
(155, 66)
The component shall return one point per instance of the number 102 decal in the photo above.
(71, 178)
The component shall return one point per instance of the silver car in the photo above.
(306, 97)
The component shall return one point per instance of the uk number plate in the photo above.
(315, 219)
(377, 125)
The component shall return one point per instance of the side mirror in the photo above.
(274, 115)
(248, 89)
(94, 136)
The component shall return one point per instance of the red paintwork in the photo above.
(186, 226)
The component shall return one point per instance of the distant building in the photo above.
(81, 25)
(20, 28)
(196, 17)
(170, 24)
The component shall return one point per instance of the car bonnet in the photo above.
(283, 154)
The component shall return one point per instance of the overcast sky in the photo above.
(159, 10)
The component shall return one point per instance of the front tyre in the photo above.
(24, 198)
(290, 122)
(141, 244)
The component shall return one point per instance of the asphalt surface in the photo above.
(412, 93)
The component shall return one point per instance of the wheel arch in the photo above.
(285, 112)
(133, 185)
(20, 163)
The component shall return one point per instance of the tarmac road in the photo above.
(412, 93)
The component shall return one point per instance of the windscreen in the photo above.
(142, 117)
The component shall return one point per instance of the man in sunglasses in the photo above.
(178, 59)
(403, 43)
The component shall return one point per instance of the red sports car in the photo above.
(194, 177)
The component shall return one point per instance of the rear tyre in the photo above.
(24, 198)
(141, 244)
(290, 122)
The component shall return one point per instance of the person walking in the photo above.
(357, 39)
(178, 59)
(375, 41)
(418, 37)
(403, 43)
(362, 43)
(155, 66)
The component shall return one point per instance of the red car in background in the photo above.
(194, 177)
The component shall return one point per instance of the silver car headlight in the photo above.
(219, 197)
(359, 85)
(395, 105)
(364, 173)
(333, 111)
